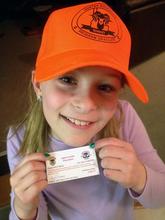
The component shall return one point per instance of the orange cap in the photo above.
(86, 35)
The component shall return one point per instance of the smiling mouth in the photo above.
(77, 121)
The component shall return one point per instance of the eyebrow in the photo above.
(76, 71)
(114, 75)
(109, 74)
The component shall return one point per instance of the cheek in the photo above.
(109, 103)
(53, 104)
(54, 100)
(109, 110)
(51, 101)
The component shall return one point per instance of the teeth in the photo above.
(78, 122)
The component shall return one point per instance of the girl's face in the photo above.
(80, 103)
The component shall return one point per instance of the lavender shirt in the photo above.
(98, 197)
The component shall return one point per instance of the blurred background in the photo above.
(21, 25)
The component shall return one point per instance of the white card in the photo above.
(71, 164)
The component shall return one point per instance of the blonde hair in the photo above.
(112, 129)
(37, 129)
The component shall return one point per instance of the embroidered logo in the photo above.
(97, 22)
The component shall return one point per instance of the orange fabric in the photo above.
(85, 35)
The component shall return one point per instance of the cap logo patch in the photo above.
(97, 22)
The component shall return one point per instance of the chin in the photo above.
(77, 142)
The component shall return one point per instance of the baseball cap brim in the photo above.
(57, 65)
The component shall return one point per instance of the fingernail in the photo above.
(92, 145)
(46, 154)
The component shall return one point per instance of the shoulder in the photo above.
(15, 136)
(126, 106)
(14, 141)
(131, 124)
(15, 132)
(129, 112)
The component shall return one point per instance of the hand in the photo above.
(27, 181)
(120, 163)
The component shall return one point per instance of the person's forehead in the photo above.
(95, 71)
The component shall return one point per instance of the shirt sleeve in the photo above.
(13, 144)
(134, 132)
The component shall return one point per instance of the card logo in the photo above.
(97, 22)
(52, 160)
(86, 154)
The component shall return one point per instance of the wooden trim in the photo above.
(4, 190)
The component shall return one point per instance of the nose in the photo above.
(84, 103)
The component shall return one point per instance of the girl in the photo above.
(81, 68)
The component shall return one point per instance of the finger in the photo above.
(35, 189)
(30, 157)
(32, 192)
(29, 180)
(107, 142)
(113, 164)
(113, 151)
(26, 168)
(114, 175)
(121, 146)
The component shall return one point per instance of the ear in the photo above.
(36, 85)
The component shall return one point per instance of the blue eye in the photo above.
(68, 80)
(107, 88)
